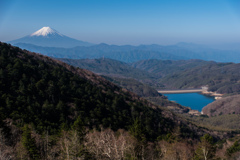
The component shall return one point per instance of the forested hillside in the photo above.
(122, 74)
(110, 67)
(162, 68)
(169, 74)
(219, 77)
(34, 88)
(50, 110)
(135, 86)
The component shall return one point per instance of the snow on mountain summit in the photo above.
(48, 37)
(45, 31)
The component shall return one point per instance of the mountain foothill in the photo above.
(78, 100)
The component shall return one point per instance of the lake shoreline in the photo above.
(193, 101)
(180, 91)
(203, 91)
(213, 94)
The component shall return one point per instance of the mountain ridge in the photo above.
(124, 53)
(128, 53)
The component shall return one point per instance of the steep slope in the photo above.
(224, 106)
(135, 80)
(51, 95)
(120, 73)
(141, 89)
(48, 37)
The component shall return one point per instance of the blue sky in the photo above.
(125, 21)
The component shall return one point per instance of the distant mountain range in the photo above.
(125, 53)
(48, 37)
(49, 42)
(128, 53)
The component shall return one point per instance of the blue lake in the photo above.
(195, 101)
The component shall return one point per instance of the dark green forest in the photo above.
(40, 95)
(51, 110)
(50, 97)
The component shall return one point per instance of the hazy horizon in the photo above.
(125, 22)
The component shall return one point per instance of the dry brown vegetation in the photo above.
(226, 105)
(107, 144)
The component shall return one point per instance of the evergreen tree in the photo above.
(29, 143)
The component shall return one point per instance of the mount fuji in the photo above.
(48, 37)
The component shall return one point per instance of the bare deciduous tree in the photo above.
(70, 146)
(174, 151)
(108, 145)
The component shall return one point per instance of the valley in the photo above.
(157, 71)
(44, 98)
(119, 80)
(141, 99)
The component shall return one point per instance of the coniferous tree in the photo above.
(29, 143)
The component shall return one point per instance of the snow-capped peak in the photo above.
(45, 31)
